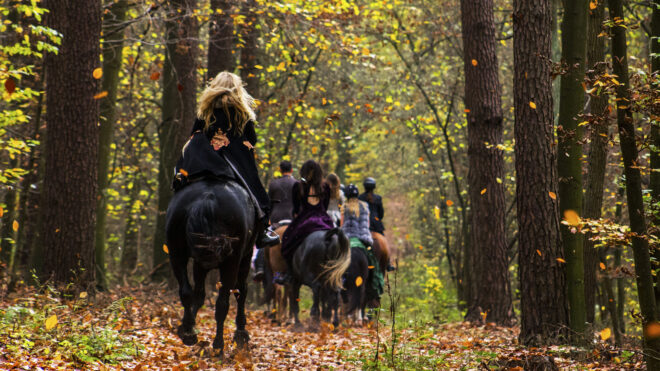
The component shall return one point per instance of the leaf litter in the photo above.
(133, 328)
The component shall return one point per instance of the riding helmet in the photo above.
(351, 191)
(369, 184)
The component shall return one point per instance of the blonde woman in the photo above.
(222, 143)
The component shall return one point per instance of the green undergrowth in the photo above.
(64, 331)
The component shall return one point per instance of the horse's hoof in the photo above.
(218, 343)
(187, 337)
(241, 338)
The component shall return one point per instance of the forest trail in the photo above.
(139, 335)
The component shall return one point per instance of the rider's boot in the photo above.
(259, 265)
(267, 237)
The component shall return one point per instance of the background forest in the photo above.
(514, 144)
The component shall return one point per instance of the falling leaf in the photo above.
(466, 110)
(371, 267)
(561, 260)
(14, 226)
(450, 202)
(421, 159)
(167, 251)
(572, 218)
(605, 333)
(474, 62)
(100, 95)
(593, 5)
(83, 294)
(51, 322)
(10, 86)
(2, 211)
(183, 172)
(552, 195)
(155, 76)
(483, 191)
(315, 150)
(532, 105)
(218, 285)
(652, 330)
(358, 281)
(602, 266)
(98, 73)
(436, 212)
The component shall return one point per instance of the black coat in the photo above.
(198, 157)
(376, 212)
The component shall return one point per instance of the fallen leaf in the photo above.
(572, 218)
(652, 330)
(51, 322)
(605, 333)
(83, 294)
(100, 95)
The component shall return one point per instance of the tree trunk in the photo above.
(490, 268)
(569, 160)
(249, 72)
(72, 113)
(178, 115)
(113, 45)
(221, 39)
(129, 253)
(655, 152)
(593, 195)
(542, 278)
(633, 183)
(7, 233)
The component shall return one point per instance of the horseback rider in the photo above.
(281, 205)
(311, 196)
(222, 144)
(376, 211)
(355, 223)
(375, 203)
(336, 198)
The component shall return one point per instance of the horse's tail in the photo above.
(339, 249)
(202, 226)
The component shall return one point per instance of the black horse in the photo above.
(320, 262)
(213, 222)
(354, 295)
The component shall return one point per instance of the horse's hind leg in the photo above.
(241, 336)
(294, 296)
(186, 330)
(228, 282)
(199, 293)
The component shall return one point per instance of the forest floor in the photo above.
(133, 329)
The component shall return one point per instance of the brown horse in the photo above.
(277, 263)
(382, 251)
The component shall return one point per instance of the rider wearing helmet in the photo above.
(376, 211)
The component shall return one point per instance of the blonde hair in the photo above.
(353, 206)
(224, 91)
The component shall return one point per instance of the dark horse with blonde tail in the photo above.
(214, 223)
(320, 262)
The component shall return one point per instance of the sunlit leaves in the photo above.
(51, 322)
